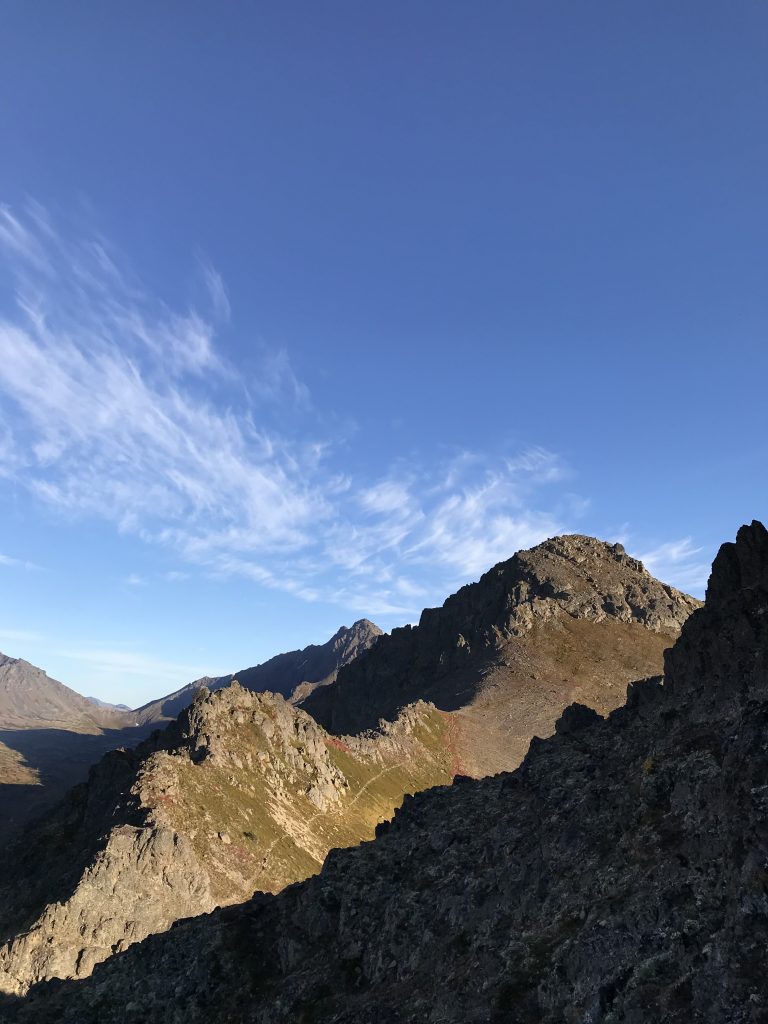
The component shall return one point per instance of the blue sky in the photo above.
(315, 311)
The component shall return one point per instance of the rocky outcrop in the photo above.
(246, 793)
(142, 881)
(617, 876)
(242, 792)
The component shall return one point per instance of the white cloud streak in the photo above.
(680, 563)
(128, 663)
(113, 405)
(133, 579)
(18, 563)
(20, 635)
(20, 240)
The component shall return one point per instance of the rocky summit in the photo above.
(572, 619)
(619, 875)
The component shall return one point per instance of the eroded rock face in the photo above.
(619, 875)
(243, 792)
(50, 735)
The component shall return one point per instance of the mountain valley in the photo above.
(618, 875)
(50, 735)
(246, 791)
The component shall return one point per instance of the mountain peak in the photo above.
(490, 633)
(366, 624)
(360, 628)
(592, 578)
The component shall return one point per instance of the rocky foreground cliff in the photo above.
(618, 875)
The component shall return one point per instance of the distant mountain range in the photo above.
(246, 791)
(312, 667)
(105, 704)
(31, 699)
(617, 875)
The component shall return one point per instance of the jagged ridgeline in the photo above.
(294, 674)
(246, 792)
(619, 875)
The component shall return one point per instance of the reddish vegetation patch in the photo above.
(243, 855)
(332, 741)
(451, 741)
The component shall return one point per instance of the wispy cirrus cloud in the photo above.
(134, 579)
(19, 239)
(216, 289)
(121, 663)
(20, 635)
(680, 563)
(19, 563)
(114, 405)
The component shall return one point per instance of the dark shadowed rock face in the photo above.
(573, 619)
(314, 666)
(619, 875)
